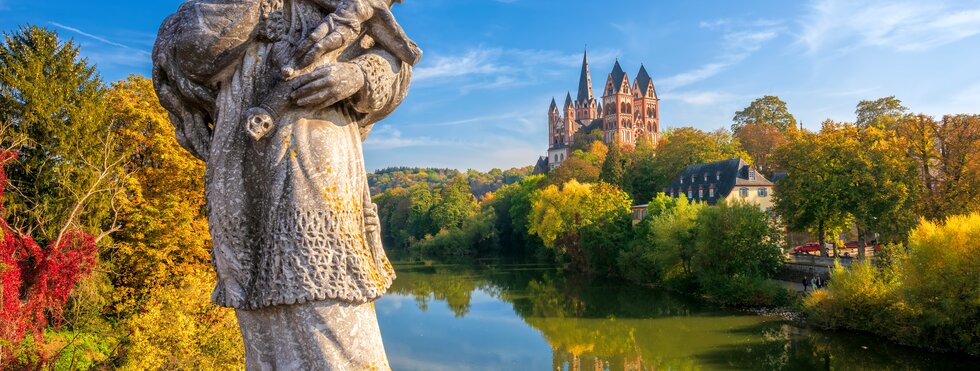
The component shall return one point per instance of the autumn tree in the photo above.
(766, 110)
(559, 214)
(812, 196)
(946, 154)
(760, 140)
(164, 231)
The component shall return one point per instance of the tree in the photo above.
(615, 166)
(455, 204)
(54, 104)
(766, 110)
(760, 141)
(35, 284)
(163, 232)
(946, 154)
(812, 196)
(559, 214)
(671, 237)
(881, 113)
(882, 191)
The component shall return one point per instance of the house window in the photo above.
(556, 157)
(682, 179)
(751, 174)
(743, 192)
(700, 193)
(690, 193)
(718, 176)
(563, 157)
(763, 192)
(692, 178)
(711, 192)
(705, 177)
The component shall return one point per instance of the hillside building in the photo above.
(625, 112)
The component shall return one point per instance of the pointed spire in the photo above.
(585, 81)
(554, 105)
(643, 80)
(568, 100)
(616, 76)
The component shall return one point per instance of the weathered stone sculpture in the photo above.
(276, 96)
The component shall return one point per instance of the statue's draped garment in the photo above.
(287, 211)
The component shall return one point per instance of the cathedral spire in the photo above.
(585, 82)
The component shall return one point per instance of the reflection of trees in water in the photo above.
(594, 324)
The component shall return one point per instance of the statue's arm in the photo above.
(386, 81)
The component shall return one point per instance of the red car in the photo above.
(807, 248)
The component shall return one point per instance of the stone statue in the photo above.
(276, 96)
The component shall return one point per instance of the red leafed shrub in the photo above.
(35, 282)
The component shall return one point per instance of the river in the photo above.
(489, 315)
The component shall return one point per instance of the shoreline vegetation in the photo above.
(100, 161)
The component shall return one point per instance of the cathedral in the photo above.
(625, 112)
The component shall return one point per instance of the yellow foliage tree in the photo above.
(164, 232)
(179, 328)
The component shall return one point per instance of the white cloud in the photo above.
(97, 38)
(905, 26)
(474, 62)
(386, 137)
(739, 45)
(499, 68)
(701, 98)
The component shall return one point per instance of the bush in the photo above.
(475, 236)
(744, 291)
(929, 297)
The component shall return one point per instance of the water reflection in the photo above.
(489, 315)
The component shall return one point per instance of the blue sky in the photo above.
(491, 67)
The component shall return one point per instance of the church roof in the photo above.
(585, 81)
(643, 81)
(616, 76)
(554, 105)
(568, 100)
(733, 173)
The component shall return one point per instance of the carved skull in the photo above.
(258, 123)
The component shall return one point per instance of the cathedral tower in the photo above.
(617, 100)
(646, 107)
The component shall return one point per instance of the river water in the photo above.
(488, 315)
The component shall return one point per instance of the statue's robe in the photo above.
(286, 212)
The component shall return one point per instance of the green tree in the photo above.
(615, 166)
(671, 237)
(882, 113)
(455, 204)
(53, 104)
(768, 110)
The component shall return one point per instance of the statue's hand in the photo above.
(327, 85)
(371, 220)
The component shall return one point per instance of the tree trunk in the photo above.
(861, 244)
(823, 239)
